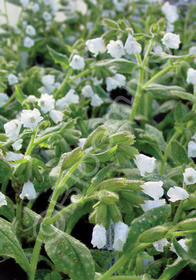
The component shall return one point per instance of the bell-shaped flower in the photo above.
(28, 191)
(121, 231)
(12, 79)
(17, 145)
(31, 118)
(77, 62)
(87, 91)
(56, 116)
(2, 199)
(12, 128)
(132, 46)
(116, 81)
(170, 12)
(160, 244)
(192, 149)
(150, 204)
(171, 40)
(153, 189)
(46, 102)
(96, 100)
(177, 193)
(145, 164)
(99, 236)
(189, 176)
(3, 99)
(96, 46)
(70, 97)
(191, 76)
(115, 48)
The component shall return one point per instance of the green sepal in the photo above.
(153, 234)
(69, 159)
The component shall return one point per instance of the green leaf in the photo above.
(105, 156)
(8, 211)
(179, 153)
(19, 95)
(95, 137)
(172, 270)
(183, 95)
(59, 58)
(110, 23)
(68, 254)
(154, 217)
(10, 245)
(156, 134)
(5, 171)
(121, 65)
(188, 224)
(69, 159)
(119, 184)
(153, 234)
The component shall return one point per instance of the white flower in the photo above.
(118, 80)
(12, 79)
(17, 145)
(28, 42)
(153, 189)
(46, 102)
(46, 16)
(96, 81)
(189, 176)
(30, 30)
(120, 4)
(182, 244)
(192, 51)
(24, 23)
(11, 157)
(145, 164)
(81, 142)
(177, 193)
(96, 46)
(99, 236)
(87, 91)
(170, 12)
(121, 231)
(192, 149)
(31, 98)
(191, 76)
(56, 116)
(77, 62)
(3, 99)
(158, 50)
(12, 129)
(35, 7)
(28, 191)
(170, 27)
(150, 204)
(2, 199)
(30, 118)
(171, 40)
(24, 3)
(70, 97)
(132, 46)
(115, 48)
(96, 100)
(160, 244)
(49, 83)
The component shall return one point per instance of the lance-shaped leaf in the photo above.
(10, 246)
(59, 58)
(95, 137)
(153, 234)
(188, 224)
(69, 159)
(68, 254)
(121, 65)
(119, 184)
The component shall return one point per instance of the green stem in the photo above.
(178, 213)
(148, 52)
(35, 255)
(64, 84)
(79, 75)
(194, 105)
(163, 163)
(139, 90)
(31, 144)
(156, 76)
(39, 240)
(120, 262)
(19, 212)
